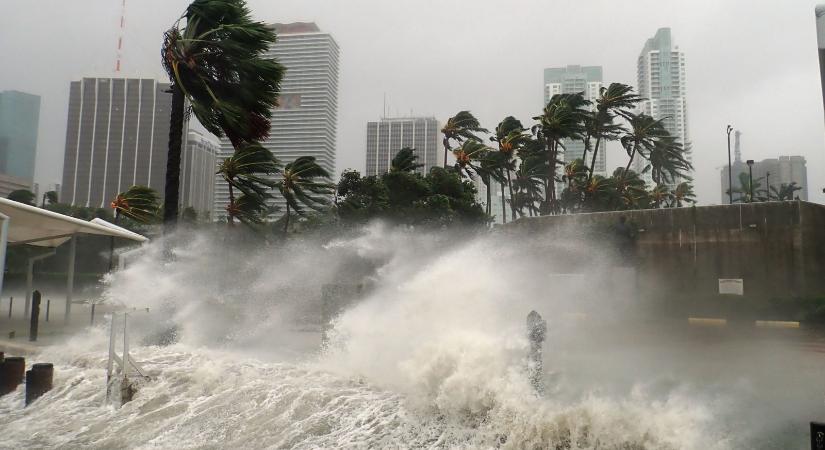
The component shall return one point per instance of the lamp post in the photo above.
(768, 184)
(750, 178)
(730, 169)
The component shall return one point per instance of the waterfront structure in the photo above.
(19, 119)
(305, 122)
(116, 136)
(570, 80)
(198, 165)
(661, 81)
(387, 136)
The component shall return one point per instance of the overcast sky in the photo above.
(751, 63)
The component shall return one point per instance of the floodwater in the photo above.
(432, 356)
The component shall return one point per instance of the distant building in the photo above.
(771, 172)
(820, 39)
(737, 166)
(497, 212)
(305, 123)
(8, 184)
(117, 136)
(661, 78)
(572, 80)
(387, 136)
(199, 162)
(19, 119)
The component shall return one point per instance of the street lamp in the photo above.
(768, 184)
(750, 177)
(730, 169)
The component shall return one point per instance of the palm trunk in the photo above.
(231, 218)
(489, 195)
(510, 189)
(503, 205)
(172, 188)
(550, 194)
(446, 149)
(593, 161)
(629, 162)
(286, 222)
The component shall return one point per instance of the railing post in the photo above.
(35, 318)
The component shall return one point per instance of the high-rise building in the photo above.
(387, 136)
(572, 80)
(19, 119)
(199, 162)
(117, 136)
(737, 166)
(305, 123)
(661, 77)
(768, 176)
(819, 11)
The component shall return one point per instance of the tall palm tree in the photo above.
(461, 127)
(642, 136)
(214, 55)
(562, 118)
(139, 203)
(528, 183)
(304, 183)
(250, 170)
(404, 161)
(667, 160)
(510, 136)
(616, 100)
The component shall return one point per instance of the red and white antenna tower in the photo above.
(120, 36)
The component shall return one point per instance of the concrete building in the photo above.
(819, 11)
(661, 80)
(769, 173)
(117, 136)
(571, 80)
(19, 119)
(387, 136)
(305, 123)
(737, 166)
(198, 165)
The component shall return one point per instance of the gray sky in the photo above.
(751, 63)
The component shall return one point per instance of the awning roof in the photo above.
(35, 226)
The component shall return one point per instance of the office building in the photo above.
(661, 78)
(571, 80)
(387, 136)
(117, 136)
(199, 162)
(19, 119)
(768, 176)
(305, 122)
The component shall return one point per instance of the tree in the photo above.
(214, 55)
(562, 118)
(139, 203)
(529, 178)
(304, 183)
(616, 100)
(785, 191)
(50, 198)
(510, 136)
(459, 128)
(683, 193)
(250, 170)
(404, 161)
(24, 196)
(642, 136)
(745, 189)
(667, 161)
(660, 195)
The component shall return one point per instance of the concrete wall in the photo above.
(777, 248)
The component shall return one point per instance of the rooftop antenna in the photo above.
(737, 151)
(120, 36)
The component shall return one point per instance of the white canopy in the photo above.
(36, 226)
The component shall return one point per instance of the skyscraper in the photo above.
(768, 173)
(117, 136)
(571, 80)
(661, 77)
(387, 136)
(197, 172)
(305, 123)
(819, 11)
(19, 119)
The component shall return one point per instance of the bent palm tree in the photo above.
(510, 136)
(304, 183)
(250, 170)
(139, 203)
(214, 55)
(641, 138)
(683, 193)
(615, 100)
(667, 160)
(404, 161)
(459, 128)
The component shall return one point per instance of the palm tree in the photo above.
(510, 136)
(575, 175)
(683, 192)
(562, 118)
(300, 185)
(642, 136)
(667, 160)
(744, 190)
(214, 55)
(139, 203)
(785, 191)
(528, 183)
(458, 128)
(404, 161)
(661, 195)
(49, 198)
(250, 170)
(615, 100)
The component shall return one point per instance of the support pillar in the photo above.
(70, 277)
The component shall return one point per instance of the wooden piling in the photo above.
(11, 373)
(39, 380)
(35, 318)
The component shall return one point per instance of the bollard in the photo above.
(11, 373)
(35, 316)
(38, 381)
(536, 331)
(48, 307)
(11, 302)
